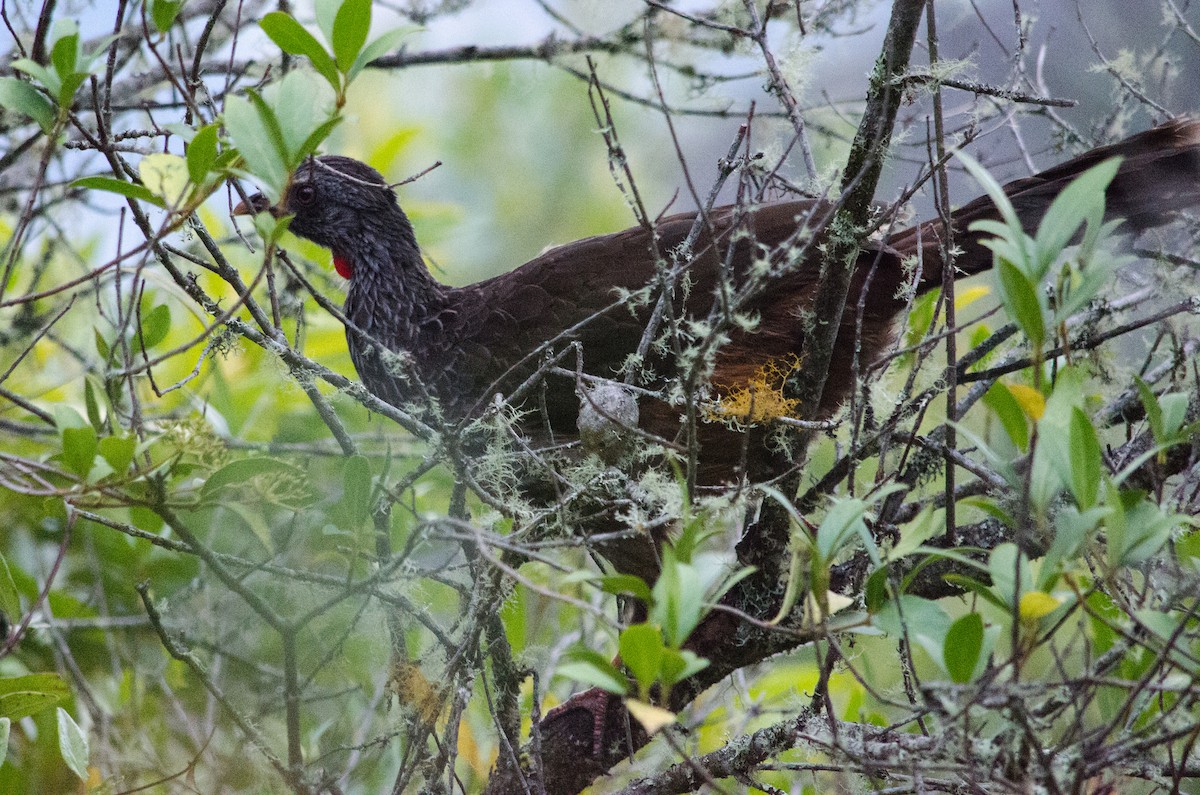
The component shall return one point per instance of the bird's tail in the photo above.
(1159, 176)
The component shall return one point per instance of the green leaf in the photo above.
(1085, 459)
(1011, 574)
(28, 695)
(238, 472)
(118, 452)
(1138, 531)
(305, 108)
(994, 191)
(253, 141)
(326, 13)
(1082, 200)
(10, 599)
(72, 744)
(163, 12)
(876, 590)
(844, 521)
(145, 519)
(276, 131)
(101, 344)
(920, 620)
(968, 583)
(92, 405)
(253, 516)
(20, 97)
(155, 325)
(202, 153)
(377, 49)
(920, 318)
(592, 668)
(641, 648)
(47, 78)
(67, 417)
(679, 665)
(839, 526)
(350, 29)
(678, 602)
(310, 144)
(1020, 298)
(1072, 528)
(291, 37)
(127, 189)
(1174, 407)
(64, 56)
(964, 642)
(625, 584)
(1008, 410)
(79, 449)
(355, 505)
(5, 725)
(70, 85)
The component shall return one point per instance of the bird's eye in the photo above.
(304, 195)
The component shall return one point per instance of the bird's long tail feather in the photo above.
(1158, 177)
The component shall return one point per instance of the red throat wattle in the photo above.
(342, 266)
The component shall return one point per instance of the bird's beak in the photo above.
(254, 205)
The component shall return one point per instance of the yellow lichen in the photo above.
(761, 398)
(413, 690)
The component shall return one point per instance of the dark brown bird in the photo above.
(463, 345)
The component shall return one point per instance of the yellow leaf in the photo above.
(813, 614)
(469, 751)
(651, 717)
(963, 298)
(165, 175)
(1037, 604)
(1031, 401)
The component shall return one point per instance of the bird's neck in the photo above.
(394, 302)
(392, 294)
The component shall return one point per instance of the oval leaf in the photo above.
(165, 175)
(350, 28)
(355, 505)
(964, 642)
(238, 472)
(1085, 459)
(1020, 298)
(10, 599)
(20, 97)
(291, 37)
(155, 325)
(592, 668)
(1036, 605)
(118, 452)
(651, 717)
(120, 187)
(202, 153)
(1003, 402)
(72, 744)
(163, 12)
(79, 449)
(641, 647)
(28, 695)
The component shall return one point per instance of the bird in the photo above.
(417, 342)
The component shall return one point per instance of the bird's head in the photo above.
(343, 205)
